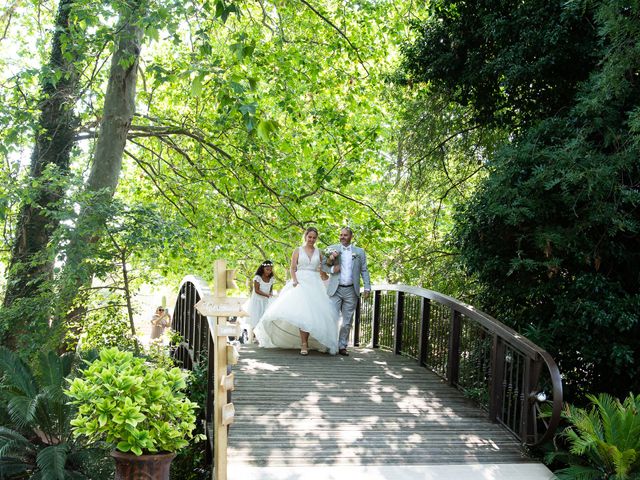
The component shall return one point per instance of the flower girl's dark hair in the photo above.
(266, 263)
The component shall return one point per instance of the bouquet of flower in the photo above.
(331, 254)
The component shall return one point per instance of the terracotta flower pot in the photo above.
(143, 467)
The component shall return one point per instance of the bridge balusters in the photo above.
(513, 391)
(453, 361)
(411, 325)
(365, 320)
(475, 361)
(439, 339)
(496, 388)
(377, 300)
(493, 365)
(423, 339)
(398, 321)
(356, 325)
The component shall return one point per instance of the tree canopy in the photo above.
(485, 149)
(552, 231)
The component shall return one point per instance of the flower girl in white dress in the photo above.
(302, 314)
(261, 293)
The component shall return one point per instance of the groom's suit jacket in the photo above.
(359, 270)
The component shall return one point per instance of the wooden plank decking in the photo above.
(371, 408)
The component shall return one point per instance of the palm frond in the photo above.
(51, 461)
(579, 472)
(630, 428)
(21, 410)
(13, 468)
(54, 369)
(16, 375)
(13, 443)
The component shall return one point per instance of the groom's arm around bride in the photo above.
(346, 265)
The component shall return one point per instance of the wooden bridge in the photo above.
(432, 382)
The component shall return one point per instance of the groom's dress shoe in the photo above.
(343, 351)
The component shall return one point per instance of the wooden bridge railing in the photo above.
(196, 342)
(506, 374)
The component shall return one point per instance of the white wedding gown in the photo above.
(305, 307)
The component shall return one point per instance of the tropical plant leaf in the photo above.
(21, 410)
(579, 472)
(13, 443)
(12, 467)
(51, 461)
(17, 376)
(604, 439)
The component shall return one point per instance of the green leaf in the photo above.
(51, 461)
(196, 85)
(266, 128)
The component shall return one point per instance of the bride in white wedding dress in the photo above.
(302, 315)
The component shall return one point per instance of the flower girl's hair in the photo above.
(266, 263)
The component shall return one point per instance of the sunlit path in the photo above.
(371, 408)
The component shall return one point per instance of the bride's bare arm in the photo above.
(294, 267)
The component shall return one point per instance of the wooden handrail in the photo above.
(507, 379)
(439, 322)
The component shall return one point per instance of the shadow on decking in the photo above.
(369, 408)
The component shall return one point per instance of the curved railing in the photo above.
(196, 343)
(506, 374)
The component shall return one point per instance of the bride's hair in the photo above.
(309, 230)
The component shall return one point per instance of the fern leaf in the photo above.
(21, 410)
(13, 443)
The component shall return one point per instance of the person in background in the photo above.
(160, 320)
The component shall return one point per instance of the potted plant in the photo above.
(139, 408)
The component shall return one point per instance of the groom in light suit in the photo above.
(345, 267)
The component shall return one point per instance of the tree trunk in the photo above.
(31, 263)
(119, 107)
(118, 110)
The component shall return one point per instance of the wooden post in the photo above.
(218, 308)
(220, 436)
(223, 411)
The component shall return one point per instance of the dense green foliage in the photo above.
(133, 405)
(35, 430)
(514, 62)
(552, 232)
(253, 121)
(604, 440)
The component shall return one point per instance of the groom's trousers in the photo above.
(345, 300)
